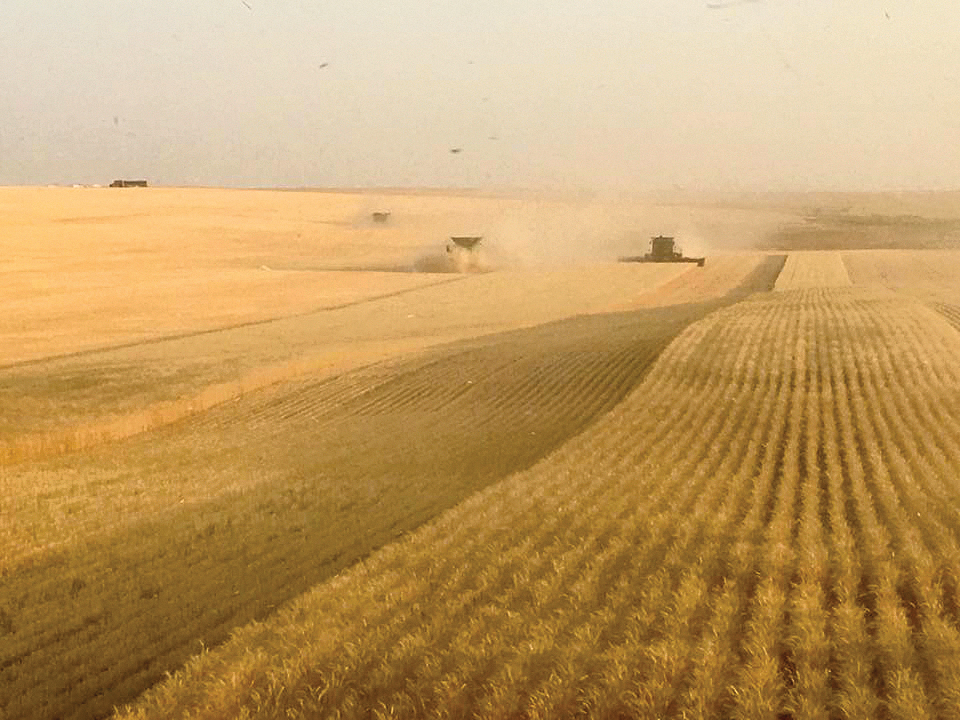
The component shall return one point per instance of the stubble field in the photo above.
(568, 487)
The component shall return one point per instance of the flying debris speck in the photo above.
(456, 150)
(323, 65)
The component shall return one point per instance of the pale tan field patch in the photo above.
(721, 274)
(813, 269)
(58, 314)
(89, 268)
(927, 274)
(73, 401)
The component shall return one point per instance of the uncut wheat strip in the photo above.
(809, 647)
(714, 669)
(791, 489)
(719, 502)
(696, 523)
(923, 403)
(678, 670)
(845, 628)
(861, 681)
(891, 637)
(810, 269)
(848, 620)
(856, 696)
(775, 425)
(918, 587)
(539, 645)
(939, 636)
(943, 368)
(895, 482)
(920, 487)
(587, 584)
(761, 688)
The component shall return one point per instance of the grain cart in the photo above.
(663, 249)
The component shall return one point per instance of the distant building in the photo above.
(128, 183)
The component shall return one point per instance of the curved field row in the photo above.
(812, 269)
(119, 562)
(769, 526)
(120, 392)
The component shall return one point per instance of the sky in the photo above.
(601, 94)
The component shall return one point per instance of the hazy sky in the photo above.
(779, 94)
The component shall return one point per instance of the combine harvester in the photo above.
(663, 249)
(463, 254)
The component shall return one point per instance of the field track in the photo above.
(797, 555)
(193, 530)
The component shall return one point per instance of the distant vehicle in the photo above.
(380, 216)
(462, 252)
(663, 249)
(128, 183)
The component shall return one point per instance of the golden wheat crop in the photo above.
(797, 555)
(123, 558)
(812, 269)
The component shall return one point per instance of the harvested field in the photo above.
(798, 556)
(237, 511)
(930, 275)
(722, 275)
(117, 392)
(926, 274)
(566, 487)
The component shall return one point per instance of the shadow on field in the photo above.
(324, 472)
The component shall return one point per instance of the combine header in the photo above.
(663, 249)
(462, 252)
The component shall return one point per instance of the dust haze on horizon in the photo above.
(711, 95)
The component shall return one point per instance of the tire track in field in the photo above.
(334, 469)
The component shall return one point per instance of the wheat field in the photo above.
(564, 488)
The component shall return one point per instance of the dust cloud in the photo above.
(553, 234)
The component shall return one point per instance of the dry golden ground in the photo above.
(209, 522)
(93, 268)
(796, 555)
(149, 546)
(927, 274)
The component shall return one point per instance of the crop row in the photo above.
(285, 488)
(769, 526)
